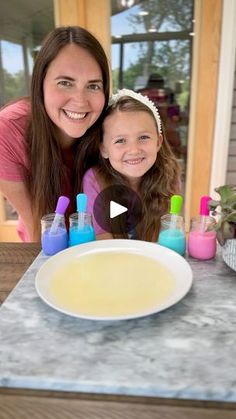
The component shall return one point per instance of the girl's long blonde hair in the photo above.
(157, 185)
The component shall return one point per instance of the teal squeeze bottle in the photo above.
(172, 232)
(81, 226)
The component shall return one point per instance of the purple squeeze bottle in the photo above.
(54, 233)
(201, 241)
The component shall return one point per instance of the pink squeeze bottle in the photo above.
(201, 242)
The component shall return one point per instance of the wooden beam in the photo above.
(69, 12)
(206, 52)
(90, 14)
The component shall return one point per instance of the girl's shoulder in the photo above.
(90, 173)
(91, 179)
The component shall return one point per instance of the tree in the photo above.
(170, 15)
(14, 85)
(167, 15)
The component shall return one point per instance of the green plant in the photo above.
(224, 211)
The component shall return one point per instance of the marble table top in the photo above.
(186, 352)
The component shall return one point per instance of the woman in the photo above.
(42, 138)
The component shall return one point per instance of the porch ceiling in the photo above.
(20, 19)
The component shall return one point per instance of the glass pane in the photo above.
(151, 15)
(151, 53)
(22, 29)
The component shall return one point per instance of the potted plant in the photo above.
(224, 211)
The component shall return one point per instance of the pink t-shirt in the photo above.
(91, 188)
(14, 162)
(13, 158)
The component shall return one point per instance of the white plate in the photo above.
(131, 289)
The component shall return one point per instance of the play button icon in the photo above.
(118, 209)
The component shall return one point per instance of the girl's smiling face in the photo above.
(131, 143)
(73, 93)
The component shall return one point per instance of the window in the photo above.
(151, 53)
(22, 29)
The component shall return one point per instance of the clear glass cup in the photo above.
(172, 233)
(56, 239)
(201, 240)
(81, 229)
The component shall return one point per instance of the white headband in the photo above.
(141, 98)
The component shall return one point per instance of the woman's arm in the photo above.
(18, 196)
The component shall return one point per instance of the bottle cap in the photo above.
(62, 205)
(81, 202)
(176, 204)
(204, 210)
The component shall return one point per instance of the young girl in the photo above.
(45, 140)
(135, 153)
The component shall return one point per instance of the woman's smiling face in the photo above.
(73, 93)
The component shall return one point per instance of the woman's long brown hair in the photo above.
(157, 185)
(47, 172)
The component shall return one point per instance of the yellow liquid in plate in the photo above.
(111, 284)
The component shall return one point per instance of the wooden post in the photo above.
(206, 52)
(90, 14)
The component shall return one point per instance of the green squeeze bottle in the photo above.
(172, 231)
